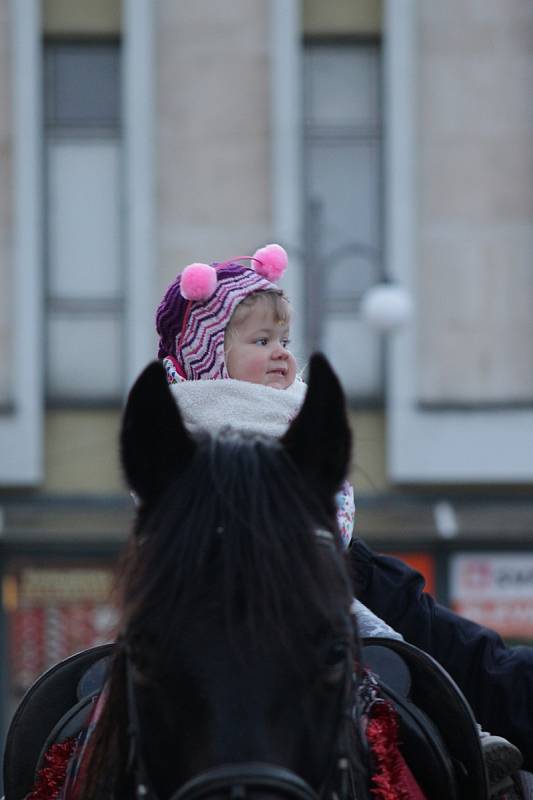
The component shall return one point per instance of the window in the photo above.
(84, 263)
(342, 152)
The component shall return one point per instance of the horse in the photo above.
(234, 669)
(238, 668)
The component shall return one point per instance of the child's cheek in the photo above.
(258, 361)
(255, 366)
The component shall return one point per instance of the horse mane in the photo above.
(232, 535)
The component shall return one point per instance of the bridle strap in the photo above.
(135, 768)
(236, 779)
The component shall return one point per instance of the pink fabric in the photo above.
(192, 331)
(198, 281)
(272, 261)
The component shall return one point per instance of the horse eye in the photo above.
(335, 663)
(336, 654)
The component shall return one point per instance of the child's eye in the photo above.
(263, 341)
(285, 342)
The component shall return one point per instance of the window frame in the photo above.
(115, 309)
(359, 132)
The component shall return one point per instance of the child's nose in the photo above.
(280, 351)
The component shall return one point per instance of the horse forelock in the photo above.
(232, 538)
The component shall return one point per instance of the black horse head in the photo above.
(234, 667)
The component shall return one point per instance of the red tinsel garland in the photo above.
(51, 776)
(392, 779)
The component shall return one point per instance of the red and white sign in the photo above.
(54, 612)
(494, 589)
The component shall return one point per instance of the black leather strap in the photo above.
(241, 777)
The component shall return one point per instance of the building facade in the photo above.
(377, 141)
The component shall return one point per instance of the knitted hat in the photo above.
(193, 315)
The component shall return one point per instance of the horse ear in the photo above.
(154, 442)
(319, 439)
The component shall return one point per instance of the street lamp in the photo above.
(386, 307)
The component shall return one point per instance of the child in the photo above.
(224, 337)
(224, 341)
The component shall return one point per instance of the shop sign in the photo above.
(53, 612)
(494, 589)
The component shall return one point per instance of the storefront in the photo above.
(58, 577)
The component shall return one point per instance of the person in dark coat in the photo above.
(496, 679)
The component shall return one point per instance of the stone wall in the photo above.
(213, 147)
(94, 18)
(342, 17)
(475, 182)
(6, 207)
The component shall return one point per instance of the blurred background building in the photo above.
(378, 142)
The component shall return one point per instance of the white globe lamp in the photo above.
(387, 307)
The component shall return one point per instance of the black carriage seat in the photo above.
(436, 723)
(438, 734)
(54, 708)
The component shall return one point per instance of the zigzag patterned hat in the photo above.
(192, 317)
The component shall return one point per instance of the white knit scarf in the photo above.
(250, 407)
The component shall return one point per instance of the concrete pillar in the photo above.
(6, 207)
(475, 201)
(213, 113)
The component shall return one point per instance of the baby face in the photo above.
(256, 348)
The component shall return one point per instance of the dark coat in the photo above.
(496, 679)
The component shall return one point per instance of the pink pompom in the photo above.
(271, 261)
(198, 282)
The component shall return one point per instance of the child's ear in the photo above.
(319, 439)
(154, 442)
